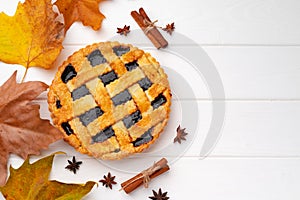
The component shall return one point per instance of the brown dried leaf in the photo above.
(86, 11)
(22, 131)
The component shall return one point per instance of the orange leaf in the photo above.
(32, 37)
(86, 11)
(30, 181)
(22, 131)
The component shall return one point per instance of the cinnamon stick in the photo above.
(136, 181)
(150, 30)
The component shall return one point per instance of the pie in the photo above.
(110, 100)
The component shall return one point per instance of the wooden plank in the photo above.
(215, 179)
(260, 129)
(250, 129)
(255, 47)
(207, 22)
(247, 22)
(256, 73)
(219, 179)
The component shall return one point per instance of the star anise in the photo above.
(124, 31)
(159, 195)
(169, 28)
(73, 165)
(180, 135)
(108, 180)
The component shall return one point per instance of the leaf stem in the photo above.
(24, 75)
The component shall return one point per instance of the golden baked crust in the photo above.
(110, 100)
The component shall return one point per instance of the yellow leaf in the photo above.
(86, 11)
(30, 181)
(32, 37)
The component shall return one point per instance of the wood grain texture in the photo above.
(217, 178)
(251, 129)
(222, 22)
(247, 73)
(255, 46)
(234, 22)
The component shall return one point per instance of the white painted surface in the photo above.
(255, 46)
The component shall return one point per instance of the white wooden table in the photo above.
(255, 46)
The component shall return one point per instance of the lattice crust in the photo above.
(110, 100)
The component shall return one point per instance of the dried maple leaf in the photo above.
(73, 165)
(159, 195)
(22, 131)
(86, 11)
(108, 180)
(30, 181)
(32, 37)
(169, 28)
(124, 31)
(180, 135)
